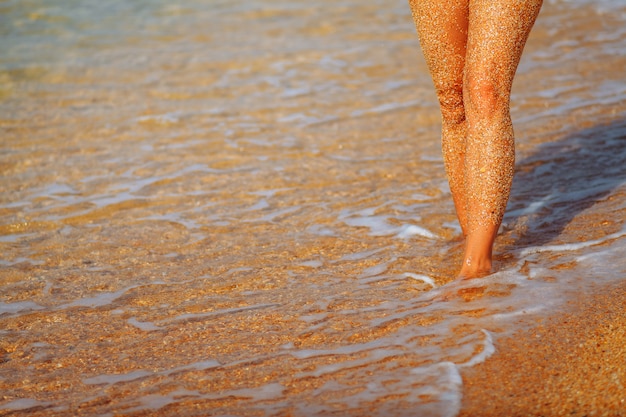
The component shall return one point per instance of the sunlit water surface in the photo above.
(240, 208)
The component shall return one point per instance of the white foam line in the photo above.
(23, 404)
(155, 402)
(374, 271)
(346, 350)
(572, 246)
(488, 350)
(111, 379)
(263, 393)
(426, 279)
(18, 307)
(523, 312)
(449, 379)
(167, 118)
(217, 313)
(198, 366)
(361, 255)
(143, 325)
(106, 298)
(374, 357)
(409, 230)
(532, 208)
(99, 300)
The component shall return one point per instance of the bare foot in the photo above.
(477, 258)
(469, 270)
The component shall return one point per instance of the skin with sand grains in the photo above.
(472, 49)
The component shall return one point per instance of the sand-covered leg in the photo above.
(496, 37)
(442, 29)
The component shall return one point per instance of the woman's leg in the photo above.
(442, 29)
(498, 30)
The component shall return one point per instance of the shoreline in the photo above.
(573, 364)
(258, 222)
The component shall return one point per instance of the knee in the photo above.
(451, 104)
(486, 98)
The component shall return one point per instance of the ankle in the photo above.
(478, 252)
(475, 267)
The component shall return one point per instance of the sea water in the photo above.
(240, 208)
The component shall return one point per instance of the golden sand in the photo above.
(569, 364)
(174, 235)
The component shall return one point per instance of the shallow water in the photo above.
(228, 208)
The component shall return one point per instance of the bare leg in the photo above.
(472, 48)
(497, 33)
(442, 29)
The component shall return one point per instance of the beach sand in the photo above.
(569, 364)
(214, 224)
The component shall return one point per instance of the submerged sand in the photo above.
(212, 230)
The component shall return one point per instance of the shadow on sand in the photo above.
(562, 179)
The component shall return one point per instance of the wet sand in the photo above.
(569, 364)
(243, 231)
